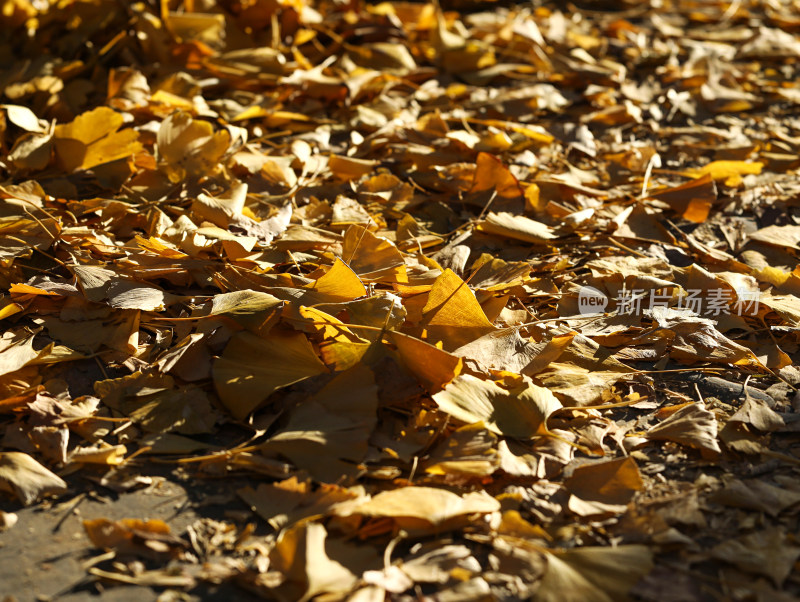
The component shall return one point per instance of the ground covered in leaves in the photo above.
(325, 267)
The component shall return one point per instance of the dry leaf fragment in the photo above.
(607, 482)
(756, 495)
(520, 414)
(602, 574)
(517, 227)
(7, 520)
(26, 478)
(416, 506)
(692, 425)
(303, 554)
(147, 538)
(765, 552)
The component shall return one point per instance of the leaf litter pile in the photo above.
(333, 253)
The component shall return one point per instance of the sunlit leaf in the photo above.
(252, 368)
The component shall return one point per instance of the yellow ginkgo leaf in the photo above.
(252, 368)
(349, 168)
(727, 170)
(189, 147)
(452, 314)
(433, 367)
(92, 139)
(372, 257)
(254, 310)
(427, 505)
(339, 283)
(609, 482)
(492, 175)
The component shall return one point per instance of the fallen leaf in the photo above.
(252, 368)
(23, 476)
(452, 314)
(92, 139)
(520, 414)
(692, 425)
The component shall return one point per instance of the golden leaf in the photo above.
(92, 139)
(452, 314)
(252, 368)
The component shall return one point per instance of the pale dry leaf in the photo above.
(426, 505)
(765, 552)
(23, 476)
(520, 414)
(517, 227)
(692, 425)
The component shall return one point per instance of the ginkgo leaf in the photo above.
(784, 236)
(23, 117)
(608, 482)
(301, 554)
(452, 314)
(722, 170)
(563, 582)
(767, 552)
(92, 139)
(692, 425)
(221, 209)
(594, 573)
(26, 478)
(254, 310)
(328, 434)
(16, 352)
(576, 385)
(756, 495)
(340, 283)
(693, 199)
(125, 294)
(292, 500)
(433, 367)
(517, 227)
(521, 415)
(494, 181)
(252, 368)
(422, 504)
(507, 350)
(189, 146)
(94, 280)
(372, 257)
(349, 168)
